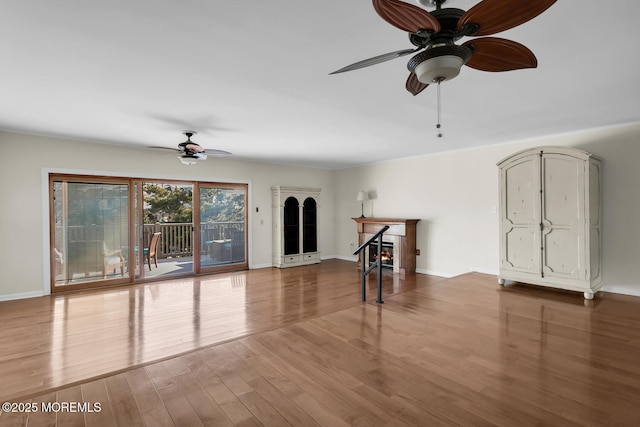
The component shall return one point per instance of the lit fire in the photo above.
(387, 256)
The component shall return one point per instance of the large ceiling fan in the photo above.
(190, 152)
(435, 33)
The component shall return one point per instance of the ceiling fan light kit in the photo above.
(439, 63)
(188, 160)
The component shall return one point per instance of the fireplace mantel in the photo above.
(401, 232)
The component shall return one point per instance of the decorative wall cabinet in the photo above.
(295, 226)
(550, 226)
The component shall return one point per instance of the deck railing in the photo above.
(176, 239)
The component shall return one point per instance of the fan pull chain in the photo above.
(438, 126)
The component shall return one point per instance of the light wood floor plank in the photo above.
(267, 391)
(42, 418)
(316, 367)
(207, 409)
(151, 408)
(227, 371)
(314, 398)
(178, 406)
(257, 360)
(96, 392)
(70, 417)
(228, 402)
(122, 402)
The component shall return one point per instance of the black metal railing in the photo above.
(377, 240)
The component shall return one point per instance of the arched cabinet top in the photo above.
(282, 193)
(290, 200)
(549, 149)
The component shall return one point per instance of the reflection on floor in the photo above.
(61, 339)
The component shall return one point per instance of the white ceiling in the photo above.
(252, 77)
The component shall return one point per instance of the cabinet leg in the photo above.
(500, 281)
(588, 295)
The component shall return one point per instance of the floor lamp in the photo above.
(362, 196)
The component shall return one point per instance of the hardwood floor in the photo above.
(296, 347)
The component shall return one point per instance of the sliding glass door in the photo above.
(222, 215)
(108, 231)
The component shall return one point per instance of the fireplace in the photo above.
(387, 254)
(401, 234)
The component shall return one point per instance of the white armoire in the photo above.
(295, 226)
(550, 219)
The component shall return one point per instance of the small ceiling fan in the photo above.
(190, 152)
(436, 33)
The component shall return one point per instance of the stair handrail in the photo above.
(377, 239)
(371, 240)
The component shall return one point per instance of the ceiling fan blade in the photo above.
(214, 152)
(494, 16)
(405, 16)
(164, 148)
(414, 85)
(375, 60)
(496, 54)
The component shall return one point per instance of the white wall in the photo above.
(454, 195)
(25, 160)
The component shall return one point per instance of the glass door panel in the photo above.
(165, 240)
(90, 232)
(223, 219)
(138, 254)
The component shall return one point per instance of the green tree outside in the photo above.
(168, 204)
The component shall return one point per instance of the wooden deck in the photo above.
(296, 347)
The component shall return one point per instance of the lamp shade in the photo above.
(440, 68)
(439, 63)
(362, 195)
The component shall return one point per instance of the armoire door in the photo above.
(520, 216)
(562, 216)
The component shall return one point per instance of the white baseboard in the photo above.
(257, 266)
(624, 290)
(490, 271)
(344, 258)
(23, 295)
(434, 273)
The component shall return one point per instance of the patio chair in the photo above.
(152, 250)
